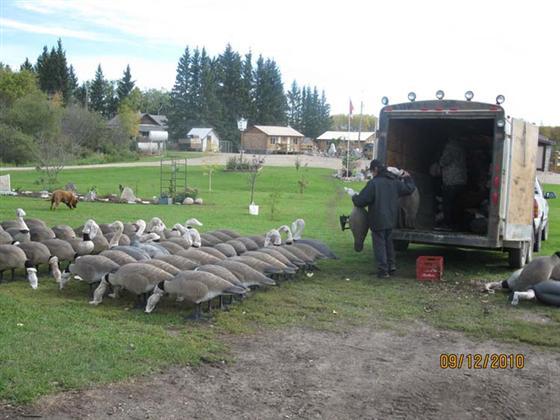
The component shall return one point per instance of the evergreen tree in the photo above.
(72, 82)
(42, 68)
(125, 85)
(27, 65)
(97, 92)
(193, 100)
(246, 97)
(294, 106)
(229, 92)
(61, 74)
(270, 101)
(210, 105)
(111, 99)
(53, 73)
(179, 113)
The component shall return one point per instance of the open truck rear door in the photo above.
(522, 139)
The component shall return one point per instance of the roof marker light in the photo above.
(385, 101)
(412, 96)
(469, 95)
(440, 94)
(500, 99)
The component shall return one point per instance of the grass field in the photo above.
(53, 340)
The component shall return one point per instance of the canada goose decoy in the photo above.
(18, 223)
(38, 253)
(12, 257)
(35, 223)
(249, 243)
(19, 234)
(297, 230)
(5, 237)
(222, 272)
(135, 252)
(90, 269)
(64, 232)
(226, 249)
(182, 263)
(208, 239)
(239, 247)
(232, 234)
(537, 271)
(137, 278)
(270, 260)
(258, 239)
(195, 287)
(119, 257)
(171, 269)
(247, 275)
(220, 235)
(198, 256)
(213, 251)
(257, 264)
(41, 233)
(547, 292)
(85, 245)
(171, 247)
(61, 249)
(281, 257)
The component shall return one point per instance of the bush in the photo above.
(190, 192)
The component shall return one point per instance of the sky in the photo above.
(352, 49)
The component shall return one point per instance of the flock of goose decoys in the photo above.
(150, 261)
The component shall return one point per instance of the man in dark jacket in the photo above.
(381, 196)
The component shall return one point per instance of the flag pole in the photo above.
(348, 142)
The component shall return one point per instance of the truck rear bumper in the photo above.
(445, 238)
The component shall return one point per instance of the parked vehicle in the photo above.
(412, 136)
(540, 216)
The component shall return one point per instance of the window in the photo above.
(295, 141)
(273, 140)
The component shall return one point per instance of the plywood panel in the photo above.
(524, 143)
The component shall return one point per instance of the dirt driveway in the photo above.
(362, 372)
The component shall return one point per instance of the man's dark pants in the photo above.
(383, 250)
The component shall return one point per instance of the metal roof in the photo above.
(200, 132)
(345, 135)
(272, 130)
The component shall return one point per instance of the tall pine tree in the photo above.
(179, 112)
(230, 92)
(270, 100)
(27, 65)
(98, 92)
(125, 85)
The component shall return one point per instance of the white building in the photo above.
(202, 140)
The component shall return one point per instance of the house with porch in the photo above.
(152, 133)
(266, 139)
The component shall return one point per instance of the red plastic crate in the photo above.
(429, 268)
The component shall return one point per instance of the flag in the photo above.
(351, 107)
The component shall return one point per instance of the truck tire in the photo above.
(518, 257)
(544, 234)
(537, 242)
(400, 245)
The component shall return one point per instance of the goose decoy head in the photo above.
(159, 290)
(289, 237)
(193, 222)
(297, 228)
(20, 213)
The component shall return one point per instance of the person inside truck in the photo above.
(453, 165)
(381, 196)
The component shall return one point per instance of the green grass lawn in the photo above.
(54, 340)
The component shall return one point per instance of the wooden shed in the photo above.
(265, 139)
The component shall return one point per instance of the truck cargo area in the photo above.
(416, 144)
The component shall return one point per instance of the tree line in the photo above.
(217, 91)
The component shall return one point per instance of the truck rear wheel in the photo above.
(537, 242)
(518, 257)
(400, 245)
